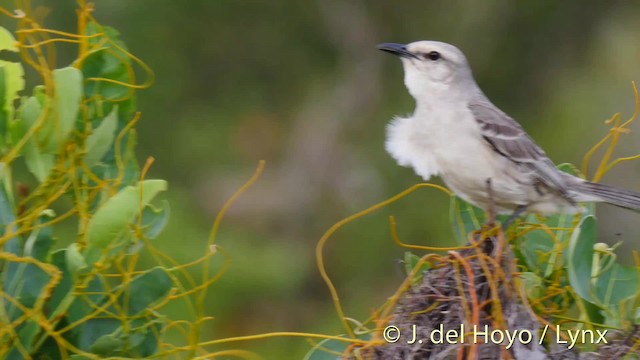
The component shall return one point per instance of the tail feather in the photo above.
(619, 197)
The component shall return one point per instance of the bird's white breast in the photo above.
(446, 141)
(436, 141)
(410, 145)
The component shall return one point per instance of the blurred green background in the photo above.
(301, 85)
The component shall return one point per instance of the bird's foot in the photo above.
(520, 209)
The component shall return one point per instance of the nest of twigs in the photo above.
(475, 286)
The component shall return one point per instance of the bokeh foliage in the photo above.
(257, 59)
(89, 296)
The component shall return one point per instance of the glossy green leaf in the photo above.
(139, 339)
(113, 217)
(617, 284)
(26, 280)
(26, 332)
(29, 112)
(465, 218)
(39, 164)
(92, 296)
(537, 248)
(68, 95)
(11, 82)
(74, 260)
(101, 64)
(142, 292)
(7, 41)
(620, 315)
(580, 258)
(145, 290)
(11, 274)
(7, 213)
(144, 340)
(106, 344)
(4, 112)
(108, 61)
(101, 139)
(532, 284)
(155, 219)
(59, 260)
(93, 329)
(24, 283)
(40, 241)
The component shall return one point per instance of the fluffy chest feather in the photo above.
(449, 143)
(438, 142)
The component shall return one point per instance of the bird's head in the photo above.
(432, 68)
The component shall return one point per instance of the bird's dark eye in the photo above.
(434, 55)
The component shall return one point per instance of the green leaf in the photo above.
(146, 334)
(4, 112)
(29, 112)
(11, 82)
(106, 344)
(7, 213)
(465, 218)
(101, 64)
(155, 219)
(86, 302)
(40, 240)
(59, 260)
(145, 290)
(532, 285)
(113, 217)
(142, 292)
(580, 258)
(7, 41)
(94, 328)
(539, 250)
(26, 333)
(101, 139)
(139, 339)
(25, 281)
(536, 248)
(623, 313)
(107, 31)
(68, 95)
(13, 76)
(39, 164)
(74, 260)
(617, 284)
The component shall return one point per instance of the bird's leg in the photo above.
(491, 209)
(520, 209)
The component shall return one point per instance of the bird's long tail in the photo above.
(612, 195)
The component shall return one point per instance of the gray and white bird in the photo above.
(457, 133)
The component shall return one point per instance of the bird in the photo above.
(457, 133)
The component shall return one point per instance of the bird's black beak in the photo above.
(397, 49)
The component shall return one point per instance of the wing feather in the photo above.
(509, 139)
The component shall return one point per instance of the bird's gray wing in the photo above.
(509, 139)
